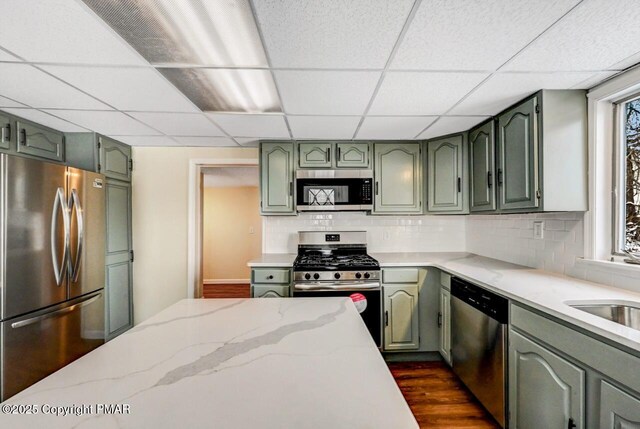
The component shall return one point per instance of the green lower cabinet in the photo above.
(545, 390)
(444, 323)
(269, 291)
(618, 410)
(401, 327)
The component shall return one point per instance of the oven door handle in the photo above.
(337, 286)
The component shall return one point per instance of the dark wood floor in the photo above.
(437, 398)
(226, 291)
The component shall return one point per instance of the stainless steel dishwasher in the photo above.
(479, 344)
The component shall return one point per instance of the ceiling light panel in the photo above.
(416, 93)
(107, 123)
(126, 88)
(474, 35)
(326, 93)
(323, 127)
(179, 124)
(331, 33)
(61, 31)
(46, 119)
(393, 127)
(206, 141)
(504, 89)
(451, 124)
(146, 140)
(594, 36)
(35, 88)
(229, 90)
(243, 125)
(202, 32)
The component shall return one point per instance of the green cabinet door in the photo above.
(545, 390)
(518, 157)
(269, 291)
(39, 141)
(482, 163)
(276, 178)
(618, 410)
(315, 155)
(119, 254)
(401, 327)
(444, 323)
(445, 179)
(398, 178)
(6, 132)
(115, 159)
(352, 155)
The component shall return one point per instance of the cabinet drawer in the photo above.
(269, 291)
(408, 275)
(271, 275)
(39, 141)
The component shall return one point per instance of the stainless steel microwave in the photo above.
(334, 190)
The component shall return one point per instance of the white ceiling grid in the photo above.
(363, 69)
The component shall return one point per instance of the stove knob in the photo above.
(316, 276)
(307, 276)
(336, 275)
(358, 275)
(367, 275)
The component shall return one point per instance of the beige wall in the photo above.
(160, 199)
(231, 232)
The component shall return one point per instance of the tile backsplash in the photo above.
(384, 233)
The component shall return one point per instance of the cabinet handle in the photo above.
(6, 136)
(376, 188)
(23, 136)
(499, 176)
(290, 188)
(571, 424)
(338, 153)
(132, 258)
(489, 184)
(459, 184)
(386, 318)
(270, 277)
(439, 319)
(329, 155)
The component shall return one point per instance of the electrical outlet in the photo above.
(538, 230)
(386, 235)
(252, 230)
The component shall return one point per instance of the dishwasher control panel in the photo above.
(491, 304)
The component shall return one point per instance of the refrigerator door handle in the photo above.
(74, 204)
(86, 301)
(59, 205)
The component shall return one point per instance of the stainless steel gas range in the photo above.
(337, 264)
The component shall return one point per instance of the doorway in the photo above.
(231, 229)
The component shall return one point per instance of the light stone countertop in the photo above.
(230, 363)
(542, 290)
(273, 260)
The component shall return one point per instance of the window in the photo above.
(628, 177)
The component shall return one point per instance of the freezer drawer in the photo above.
(40, 343)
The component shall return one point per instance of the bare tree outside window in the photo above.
(632, 199)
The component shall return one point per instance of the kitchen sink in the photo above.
(627, 314)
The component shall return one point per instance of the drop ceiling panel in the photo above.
(104, 122)
(206, 141)
(594, 80)
(248, 141)
(146, 140)
(323, 127)
(35, 88)
(326, 93)
(503, 89)
(332, 33)
(265, 126)
(126, 88)
(6, 56)
(179, 124)
(46, 119)
(393, 127)
(474, 35)
(61, 31)
(416, 93)
(594, 36)
(451, 124)
(5, 102)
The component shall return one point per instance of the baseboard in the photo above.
(412, 356)
(226, 281)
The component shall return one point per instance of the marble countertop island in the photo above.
(228, 363)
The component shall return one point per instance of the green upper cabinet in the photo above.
(315, 155)
(352, 155)
(446, 178)
(482, 163)
(39, 141)
(81, 151)
(518, 161)
(398, 177)
(276, 178)
(6, 132)
(115, 159)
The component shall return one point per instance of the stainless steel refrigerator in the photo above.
(52, 276)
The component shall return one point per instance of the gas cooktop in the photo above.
(318, 261)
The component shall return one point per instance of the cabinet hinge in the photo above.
(132, 256)
(99, 167)
(131, 165)
(99, 145)
(538, 194)
(537, 108)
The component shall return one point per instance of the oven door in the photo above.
(371, 315)
(322, 194)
